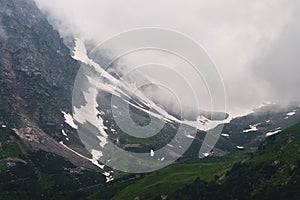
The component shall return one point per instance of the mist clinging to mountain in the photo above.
(254, 44)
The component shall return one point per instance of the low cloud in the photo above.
(254, 44)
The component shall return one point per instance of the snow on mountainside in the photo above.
(36, 99)
(241, 132)
(108, 84)
(269, 119)
(121, 88)
(37, 74)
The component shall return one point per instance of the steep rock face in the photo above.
(37, 71)
(36, 79)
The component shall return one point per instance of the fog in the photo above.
(254, 44)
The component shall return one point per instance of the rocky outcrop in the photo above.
(37, 71)
(36, 79)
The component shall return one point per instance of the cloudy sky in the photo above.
(254, 44)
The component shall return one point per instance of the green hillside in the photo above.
(30, 174)
(171, 178)
(273, 171)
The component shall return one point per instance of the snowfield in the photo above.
(69, 120)
(252, 128)
(272, 133)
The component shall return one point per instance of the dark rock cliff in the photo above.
(37, 71)
(36, 79)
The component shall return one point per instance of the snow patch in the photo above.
(109, 178)
(103, 141)
(225, 134)
(202, 123)
(116, 87)
(89, 113)
(190, 136)
(272, 133)
(69, 120)
(291, 113)
(161, 159)
(240, 147)
(205, 154)
(3, 126)
(95, 157)
(151, 152)
(252, 128)
(116, 107)
(80, 52)
(64, 133)
(95, 162)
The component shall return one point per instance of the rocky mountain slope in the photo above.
(37, 73)
(250, 130)
(42, 156)
(34, 174)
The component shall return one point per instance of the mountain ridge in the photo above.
(36, 80)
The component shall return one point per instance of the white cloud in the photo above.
(246, 39)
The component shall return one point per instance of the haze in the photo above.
(254, 44)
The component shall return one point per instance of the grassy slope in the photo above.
(274, 167)
(284, 147)
(174, 177)
(273, 172)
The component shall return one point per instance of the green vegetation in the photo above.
(273, 172)
(35, 174)
(9, 148)
(174, 177)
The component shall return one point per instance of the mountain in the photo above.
(102, 120)
(273, 172)
(270, 172)
(27, 173)
(37, 75)
(37, 69)
(44, 154)
(250, 130)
